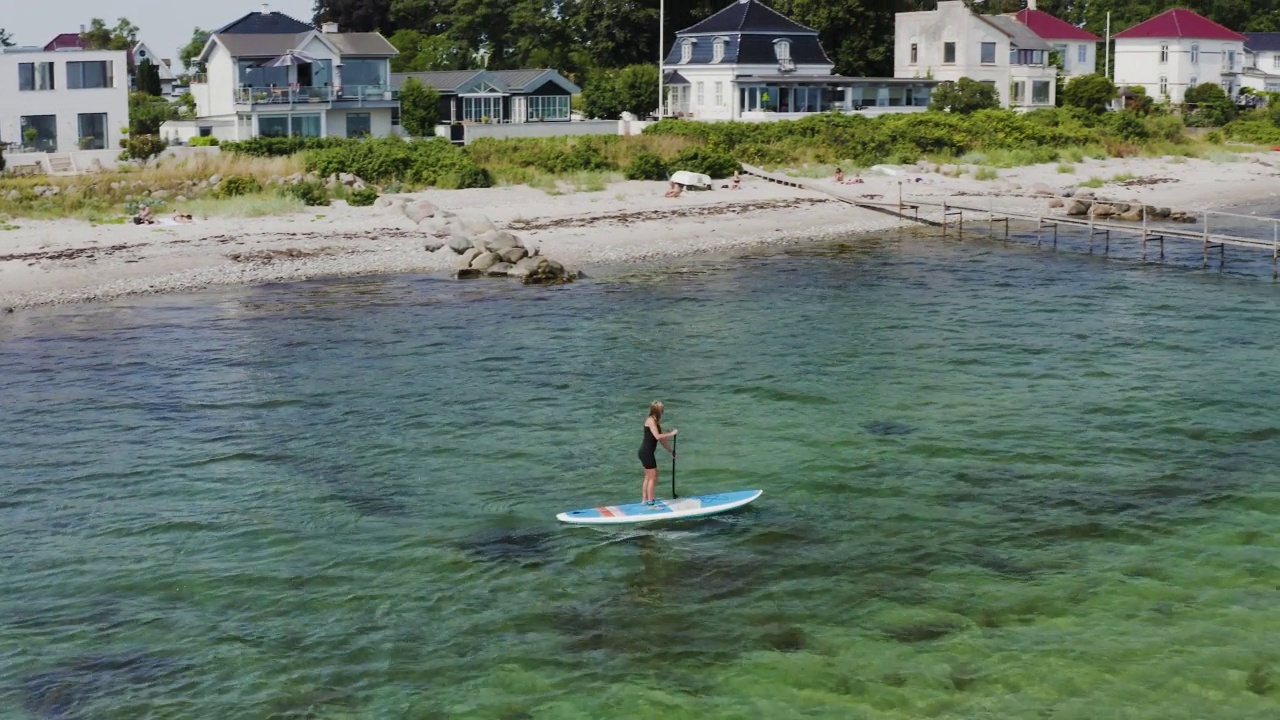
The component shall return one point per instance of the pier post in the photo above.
(1275, 249)
(944, 217)
(1144, 231)
(1091, 231)
(1205, 263)
(1106, 250)
(899, 197)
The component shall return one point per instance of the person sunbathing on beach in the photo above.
(181, 217)
(676, 189)
(145, 216)
(737, 181)
(856, 180)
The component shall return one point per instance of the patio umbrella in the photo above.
(293, 57)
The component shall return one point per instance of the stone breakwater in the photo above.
(482, 249)
(1083, 202)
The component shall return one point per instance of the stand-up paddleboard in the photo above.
(694, 506)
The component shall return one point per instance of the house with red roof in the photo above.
(1177, 50)
(1077, 46)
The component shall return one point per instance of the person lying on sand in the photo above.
(856, 180)
(181, 217)
(676, 189)
(145, 216)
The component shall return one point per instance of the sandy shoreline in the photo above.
(66, 261)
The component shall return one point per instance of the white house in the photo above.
(750, 62)
(952, 42)
(142, 52)
(268, 74)
(1177, 50)
(62, 101)
(1077, 46)
(1261, 61)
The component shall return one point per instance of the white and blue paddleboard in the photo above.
(686, 507)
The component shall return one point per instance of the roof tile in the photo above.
(1179, 23)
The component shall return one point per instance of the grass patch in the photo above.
(1065, 168)
(245, 206)
(1123, 177)
(1222, 156)
(985, 173)
(1093, 182)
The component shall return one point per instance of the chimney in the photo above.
(329, 27)
(1031, 4)
(265, 8)
(82, 28)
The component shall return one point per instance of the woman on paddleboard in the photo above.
(652, 436)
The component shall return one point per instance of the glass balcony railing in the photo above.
(294, 95)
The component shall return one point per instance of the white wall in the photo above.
(1072, 66)
(63, 102)
(219, 95)
(1137, 62)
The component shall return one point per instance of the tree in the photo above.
(964, 97)
(6, 40)
(192, 50)
(617, 33)
(633, 89)
(1208, 106)
(355, 15)
(149, 78)
(100, 37)
(1090, 92)
(419, 108)
(147, 113)
(424, 53)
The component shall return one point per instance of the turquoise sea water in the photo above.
(1000, 482)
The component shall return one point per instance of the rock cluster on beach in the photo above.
(1083, 202)
(482, 249)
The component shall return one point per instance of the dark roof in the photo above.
(1262, 41)
(747, 16)
(512, 81)
(1052, 28)
(242, 45)
(751, 49)
(674, 78)
(257, 23)
(1179, 23)
(526, 80)
(443, 80)
(66, 40)
(838, 80)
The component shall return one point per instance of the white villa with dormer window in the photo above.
(271, 75)
(750, 62)
(1177, 50)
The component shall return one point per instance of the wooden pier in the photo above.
(952, 215)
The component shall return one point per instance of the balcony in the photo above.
(357, 95)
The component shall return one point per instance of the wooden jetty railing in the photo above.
(953, 215)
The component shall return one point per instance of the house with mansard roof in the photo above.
(1177, 50)
(268, 74)
(1261, 69)
(750, 62)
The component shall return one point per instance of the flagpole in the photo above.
(662, 16)
(1106, 70)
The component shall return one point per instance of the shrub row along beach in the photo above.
(264, 210)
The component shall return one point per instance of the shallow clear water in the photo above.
(999, 482)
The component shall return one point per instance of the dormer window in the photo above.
(686, 51)
(717, 50)
(782, 49)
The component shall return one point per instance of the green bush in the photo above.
(141, 147)
(237, 185)
(647, 166)
(1168, 128)
(423, 161)
(362, 198)
(714, 163)
(204, 141)
(1254, 129)
(310, 192)
(280, 146)
(1089, 92)
(1126, 125)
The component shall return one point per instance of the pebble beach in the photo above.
(69, 261)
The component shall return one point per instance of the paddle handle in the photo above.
(673, 467)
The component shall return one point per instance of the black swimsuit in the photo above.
(647, 446)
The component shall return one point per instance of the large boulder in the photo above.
(464, 260)
(497, 241)
(461, 244)
(476, 224)
(1134, 213)
(391, 202)
(1078, 206)
(484, 261)
(1041, 190)
(420, 210)
(499, 269)
(513, 255)
(1083, 192)
(1102, 210)
(432, 244)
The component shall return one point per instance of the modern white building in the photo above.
(62, 101)
(953, 42)
(142, 52)
(750, 62)
(1261, 62)
(1077, 46)
(1177, 50)
(268, 74)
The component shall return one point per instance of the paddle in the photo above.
(673, 467)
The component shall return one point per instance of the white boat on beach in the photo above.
(691, 179)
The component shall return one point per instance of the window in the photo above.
(1275, 60)
(1195, 53)
(1192, 82)
(1231, 61)
(1040, 92)
(717, 50)
(360, 124)
(475, 109)
(700, 99)
(1018, 92)
(915, 55)
(988, 53)
(35, 76)
(686, 51)
(360, 74)
(93, 131)
(273, 125)
(948, 52)
(40, 132)
(782, 49)
(1062, 52)
(719, 94)
(548, 107)
(1164, 54)
(1164, 86)
(1082, 54)
(395, 117)
(92, 74)
(304, 126)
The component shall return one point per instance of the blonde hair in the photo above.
(655, 410)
